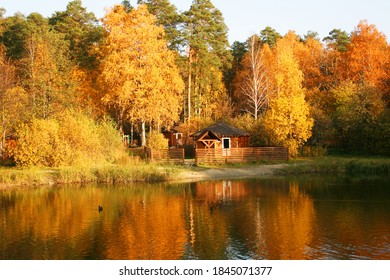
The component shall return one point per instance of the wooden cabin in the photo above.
(175, 138)
(220, 135)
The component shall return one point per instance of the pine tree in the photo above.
(208, 55)
(46, 68)
(167, 16)
(82, 31)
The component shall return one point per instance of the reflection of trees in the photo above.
(289, 225)
(148, 227)
(276, 223)
(136, 223)
(207, 223)
(39, 222)
(272, 219)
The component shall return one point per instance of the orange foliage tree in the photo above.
(141, 80)
(368, 57)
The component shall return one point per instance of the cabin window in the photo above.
(179, 136)
(226, 143)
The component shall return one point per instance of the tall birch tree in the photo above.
(253, 86)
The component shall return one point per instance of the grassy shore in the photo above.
(144, 172)
(338, 165)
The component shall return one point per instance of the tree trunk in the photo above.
(131, 134)
(143, 134)
(189, 85)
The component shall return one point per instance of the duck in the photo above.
(100, 208)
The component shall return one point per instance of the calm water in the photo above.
(282, 218)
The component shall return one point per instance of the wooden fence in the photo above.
(237, 155)
(171, 156)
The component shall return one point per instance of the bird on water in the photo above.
(100, 208)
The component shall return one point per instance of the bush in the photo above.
(313, 151)
(39, 144)
(71, 138)
(157, 141)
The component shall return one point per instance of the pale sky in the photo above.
(247, 17)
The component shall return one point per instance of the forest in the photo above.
(71, 84)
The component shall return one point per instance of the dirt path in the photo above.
(213, 173)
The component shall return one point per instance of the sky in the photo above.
(247, 17)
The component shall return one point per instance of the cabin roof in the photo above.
(221, 129)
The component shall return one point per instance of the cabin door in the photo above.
(226, 145)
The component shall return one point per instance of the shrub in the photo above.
(39, 144)
(71, 138)
(313, 151)
(157, 141)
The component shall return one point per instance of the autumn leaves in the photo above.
(151, 67)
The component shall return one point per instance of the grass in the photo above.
(338, 164)
(140, 172)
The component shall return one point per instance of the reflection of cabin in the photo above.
(220, 135)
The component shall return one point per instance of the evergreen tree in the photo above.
(168, 17)
(238, 50)
(338, 39)
(82, 31)
(127, 5)
(269, 36)
(14, 36)
(45, 68)
(208, 56)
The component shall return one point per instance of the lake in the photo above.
(307, 217)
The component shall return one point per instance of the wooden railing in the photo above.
(237, 155)
(171, 156)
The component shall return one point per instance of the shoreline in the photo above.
(195, 174)
(151, 173)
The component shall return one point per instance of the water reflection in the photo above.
(305, 218)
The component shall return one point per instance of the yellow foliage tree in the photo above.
(288, 122)
(13, 100)
(141, 80)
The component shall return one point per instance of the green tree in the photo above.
(358, 114)
(208, 56)
(313, 35)
(141, 80)
(45, 68)
(127, 5)
(337, 39)
(167, 16)
(238, 50)
(269, 36)
(82, 31)
(14, 35)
